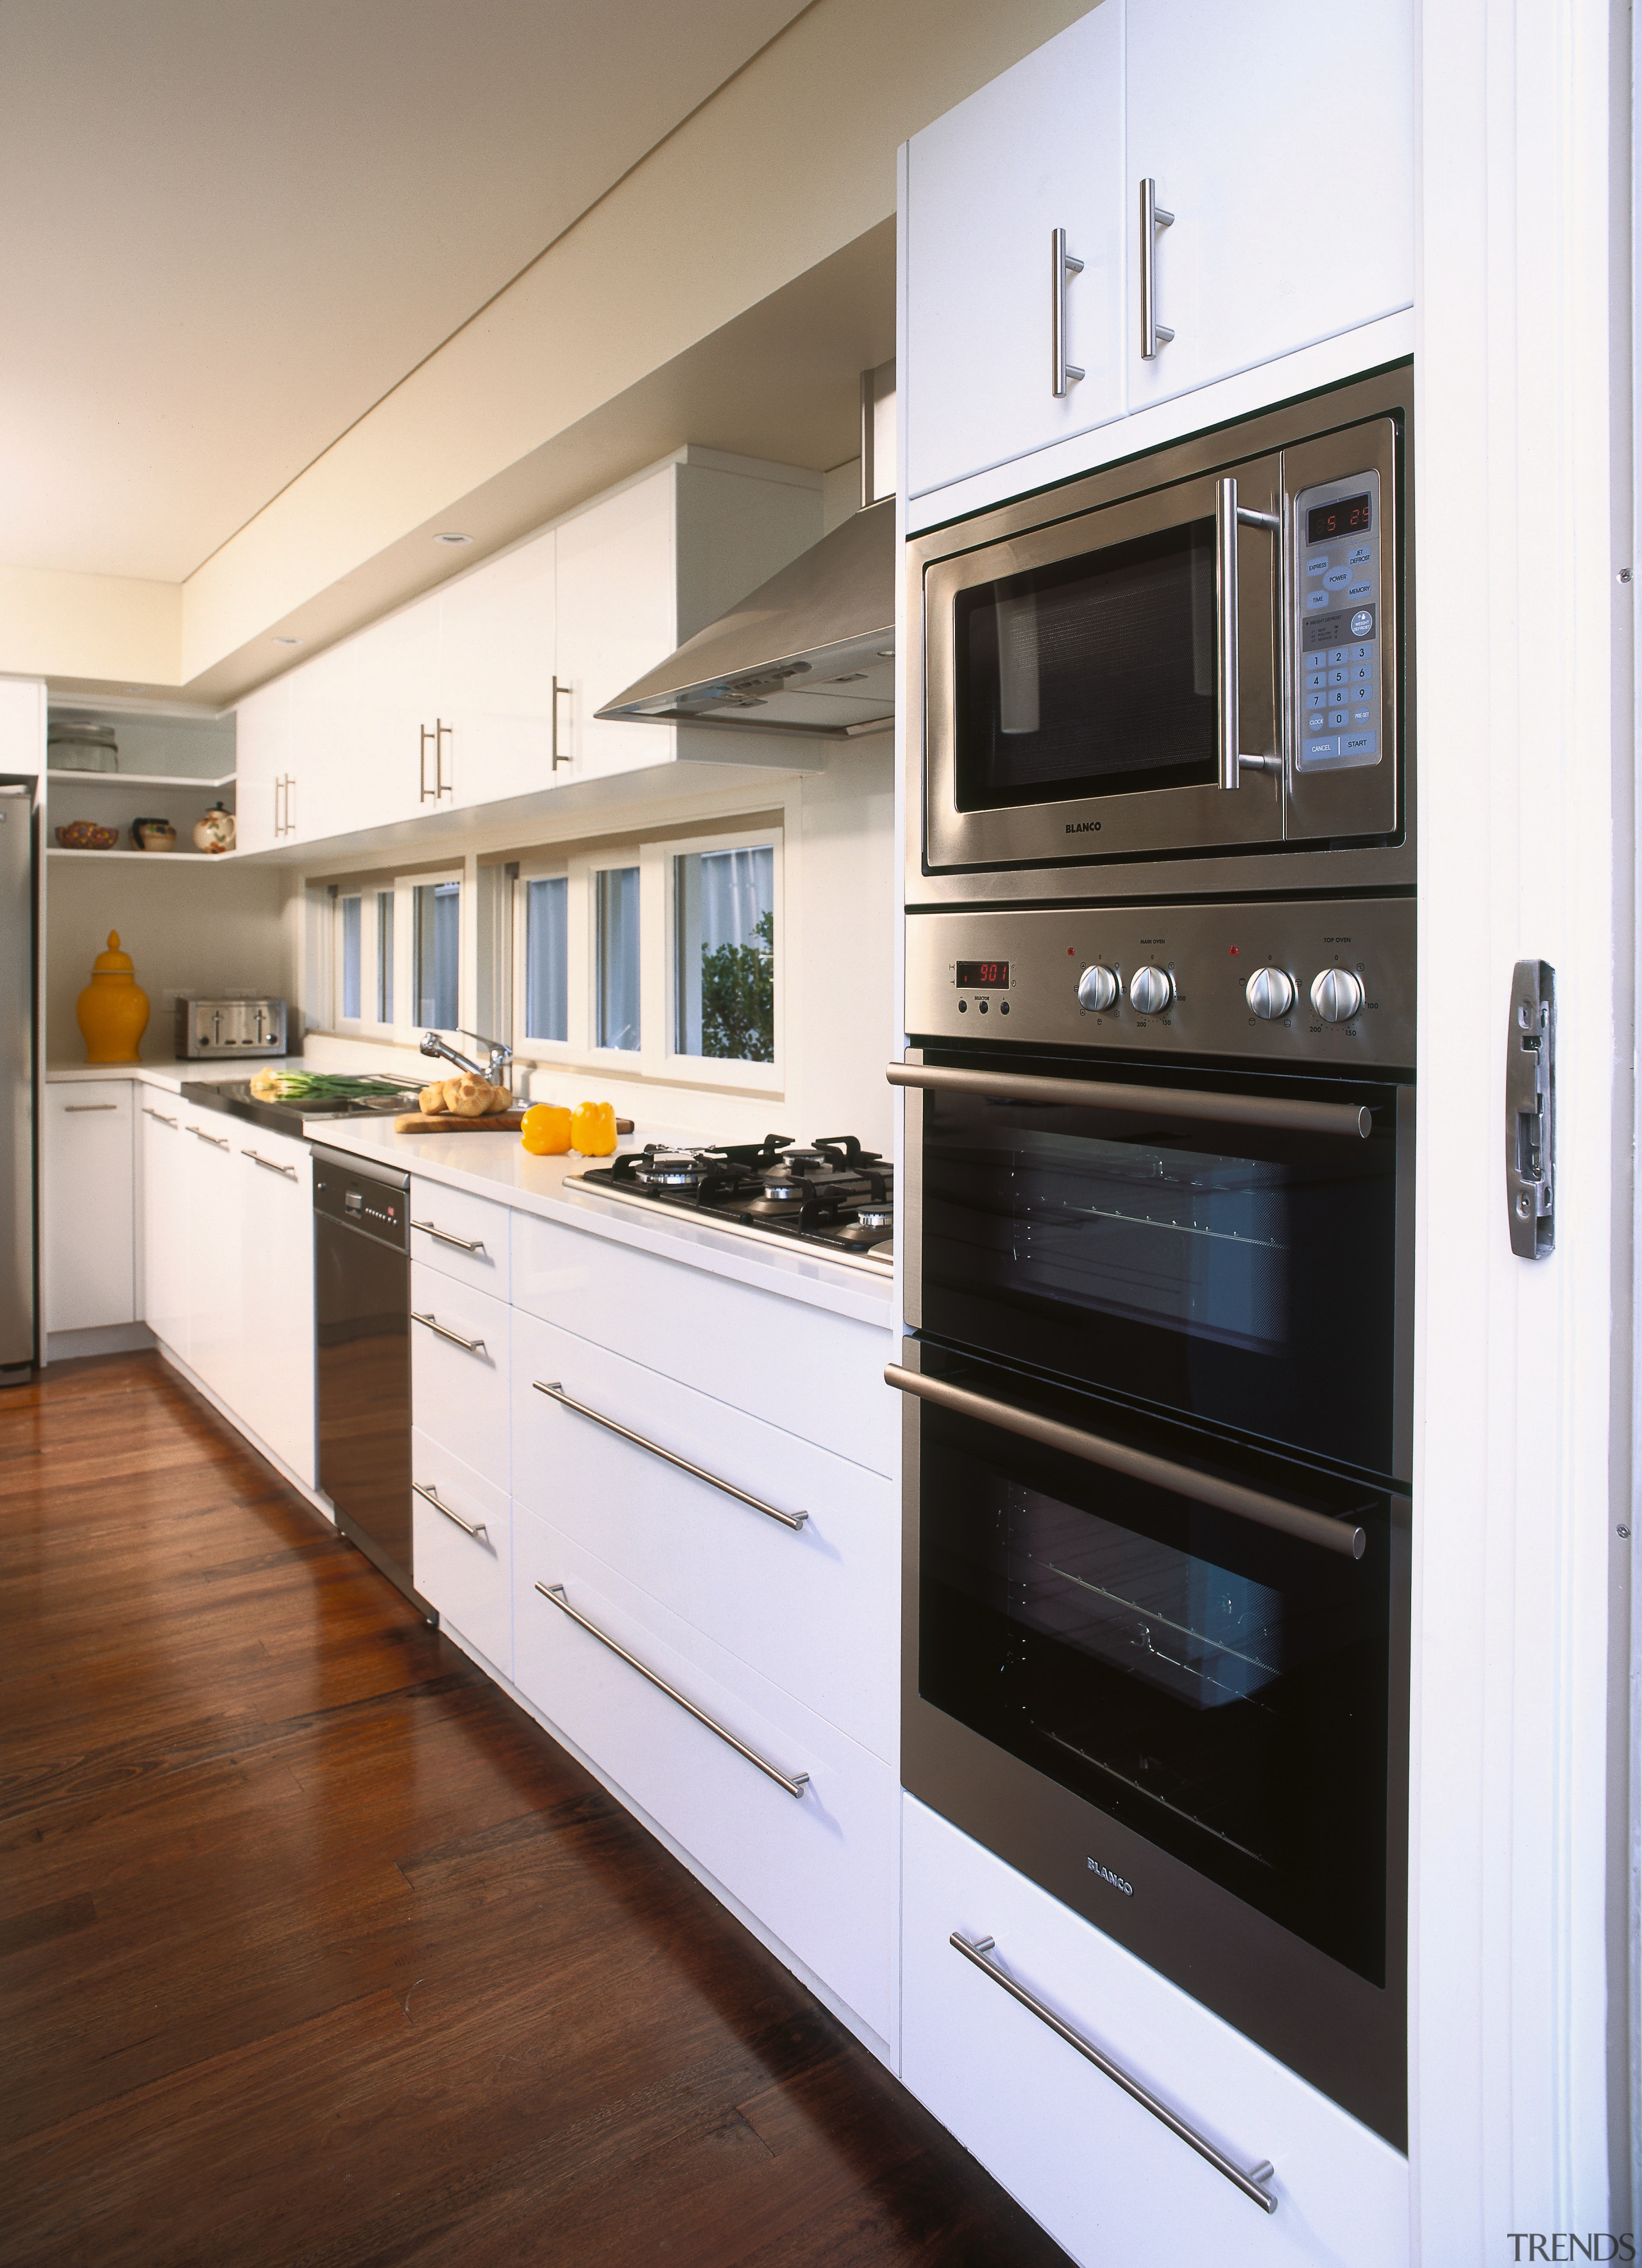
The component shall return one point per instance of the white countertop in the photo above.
(499, 1165)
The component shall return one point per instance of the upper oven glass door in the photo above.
(1250, 1274)
(1074, 677)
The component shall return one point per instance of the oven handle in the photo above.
(1278, 1111)
(1229, 515)
(1350, 1542)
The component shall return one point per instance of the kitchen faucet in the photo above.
(501, 1054)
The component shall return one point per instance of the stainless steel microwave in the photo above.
(1197, 657)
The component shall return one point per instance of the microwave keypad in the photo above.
(1338, 606)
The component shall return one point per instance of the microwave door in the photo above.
(1081, 683)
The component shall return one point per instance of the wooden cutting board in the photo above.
(498, 1121)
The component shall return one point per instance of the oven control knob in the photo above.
(1150, 991)
(1097, 988)
(1270, 993)
(1336, 994)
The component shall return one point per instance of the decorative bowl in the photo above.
(86, 835)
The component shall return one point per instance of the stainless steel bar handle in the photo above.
(476, 1528)
(428, 794)
(1229, 515)
(1339, 1537)
(271, 1165)
(69, 1107)
(560, 692)
(473, 1346)
(444, 1236)
(442, 787)
(1284, 1113)
(220, 1141)
(795, 1785)
(1252, 2183)
(161, 1114)
(1062, 374)
(1153, 217)
(554, 1392)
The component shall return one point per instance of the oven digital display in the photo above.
(983, 975)
(1345, 516)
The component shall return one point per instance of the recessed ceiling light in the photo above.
(451, 536)
(286, 641)
(886, 653)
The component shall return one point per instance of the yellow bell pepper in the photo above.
(593, 1129)
(545, 1130)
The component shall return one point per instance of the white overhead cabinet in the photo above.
(489, 688)
(1037, 152)
(1282, 140)
(1278, 144)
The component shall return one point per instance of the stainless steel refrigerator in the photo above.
(18, 1306)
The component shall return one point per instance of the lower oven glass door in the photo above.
(1121, 1235)
(1187, 1722)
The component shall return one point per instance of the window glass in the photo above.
(385, 956)
(547, 991)
(616, 910)
(437, 937)
(350, 953)
(725, 910)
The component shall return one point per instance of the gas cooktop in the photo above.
(829, 1193)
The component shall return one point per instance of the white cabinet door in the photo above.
(214, 1272)
(617, 614)
(167, 1222)
(459, 1370)
(276, 1389)
(261, 764)
(497, 654)
(364, 719)
(90, 1205)
(1040, 149)
(462, 1548)
(1105, 2176)
(1281, 138)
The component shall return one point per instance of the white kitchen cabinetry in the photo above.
(813, 1860)
(1104, 2176)
(1038, 150)
(90, 1260)
(494, 697)
(804, 1589)
(1282, 140)
(459, 1370)
(276, 1372)
(265, 802)
(460, 1235)
(163, 1150)
(462, 1548)
(214, 1272)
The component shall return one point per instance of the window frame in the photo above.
(724, 1070)
(527, 1047)
(370, 889)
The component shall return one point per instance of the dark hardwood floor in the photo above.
(314, 1949)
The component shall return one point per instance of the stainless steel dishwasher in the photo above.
(362, 1305)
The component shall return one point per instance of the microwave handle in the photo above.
(1287, 1113)
(1229, 515)
(1341, 1536)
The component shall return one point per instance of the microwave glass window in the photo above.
(1217, 1687)
(1092, 676)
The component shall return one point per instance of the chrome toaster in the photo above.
(229, 1028)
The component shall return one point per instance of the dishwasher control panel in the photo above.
(376, 1202)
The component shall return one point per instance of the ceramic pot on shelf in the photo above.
(216, 831)
(153, 835)
(112, 1011)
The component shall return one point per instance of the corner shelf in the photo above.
(142, 779)
(148, 857)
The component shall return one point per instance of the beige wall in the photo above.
(778, 193)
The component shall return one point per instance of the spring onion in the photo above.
(323, 1087)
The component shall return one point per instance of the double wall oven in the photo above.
(1157, 1223)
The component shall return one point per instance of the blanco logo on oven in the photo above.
(1107, 1875)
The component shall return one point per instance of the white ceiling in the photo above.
(229, 227)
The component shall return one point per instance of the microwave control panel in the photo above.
(1338, 552)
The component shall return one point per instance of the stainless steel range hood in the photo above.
(812, 651)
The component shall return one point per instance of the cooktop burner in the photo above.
(829, 1192)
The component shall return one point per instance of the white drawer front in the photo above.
(815, 1608)
(1106, 2178)
(468, 1578)
(459, 1393)
(818, 1869)
(460, 1235)
(815, 1374)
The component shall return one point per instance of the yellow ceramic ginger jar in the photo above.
(112, 1011)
